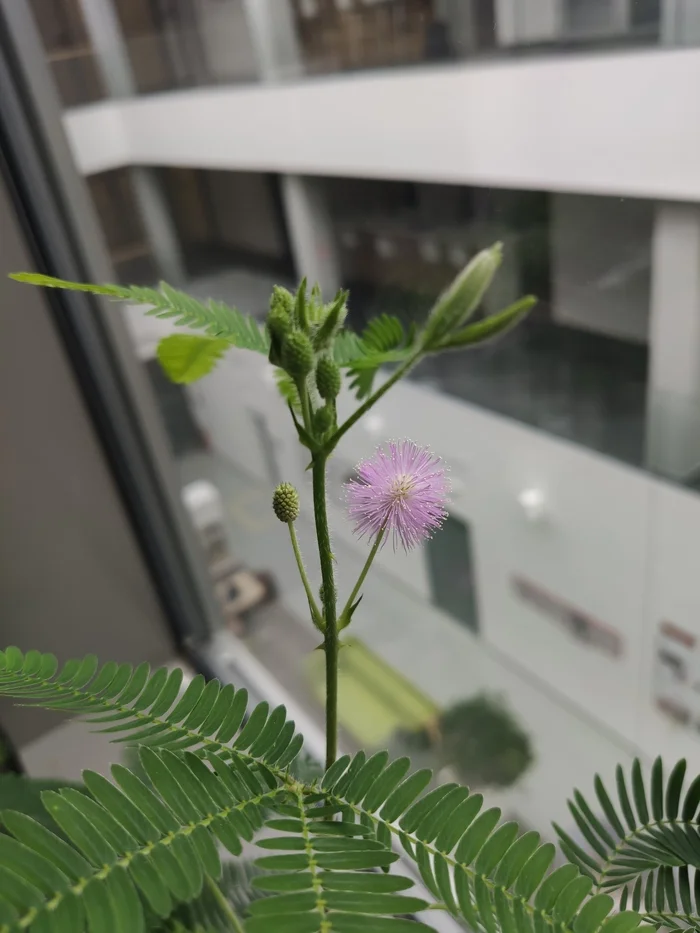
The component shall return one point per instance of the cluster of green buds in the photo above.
(302, 333)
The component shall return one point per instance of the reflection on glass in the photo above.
(415, 678)
(70, 53)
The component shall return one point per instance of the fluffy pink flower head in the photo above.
(402, 490)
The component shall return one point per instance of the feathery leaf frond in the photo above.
(480, 869)
(150, 709)
(644, 842)
(214, 317)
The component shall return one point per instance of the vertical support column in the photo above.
(680, 22)
(519, 22)
(104, 29)
(673, 409)
(311, 233)
(274, 39)
(273, 35)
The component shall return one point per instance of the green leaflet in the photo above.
(187, 357)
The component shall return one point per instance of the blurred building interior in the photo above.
(377, 145)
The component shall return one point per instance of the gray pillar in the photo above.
(104, 29)
(273, 34)
(311, 233)
(673, 410)
(680, 22)
(274, 39)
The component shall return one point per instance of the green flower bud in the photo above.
(281, 300)
(333, 317)
(278, 323)
(462, 298)
(285, 503)
(323, 420)
(327, 378)
(297, 354)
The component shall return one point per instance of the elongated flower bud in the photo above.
(281, 300)
(278, 322)
(285, 503)
(297, 354)
(327, 378)
(323, 420)
(462, 298)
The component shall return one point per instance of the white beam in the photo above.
(620, 124)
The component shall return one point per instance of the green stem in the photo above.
(366, 405)
(305, 405)
(344, 618)
(315, 613)
(226, 908)
(328, 598)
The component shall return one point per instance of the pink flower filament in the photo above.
(402, 491)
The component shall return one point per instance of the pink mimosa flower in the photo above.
(402, 492)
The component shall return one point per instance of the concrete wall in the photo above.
(600, 124)
(601, 263)
(72, 577)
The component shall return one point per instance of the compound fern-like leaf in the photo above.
(383, 342)
(132, 850)
(323, 875)
(480, 870)
(644, 842)
(142, 708)
(214, 317)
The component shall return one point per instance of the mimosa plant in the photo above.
(131, 853)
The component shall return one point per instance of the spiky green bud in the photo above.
(281, 300)
(297, 354)
(285, 503)
(334, 315)
(323, 420)
(328, 379)
(456, 305)
(278, 323)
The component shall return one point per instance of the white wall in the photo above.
(600, 263)
(620, 124)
